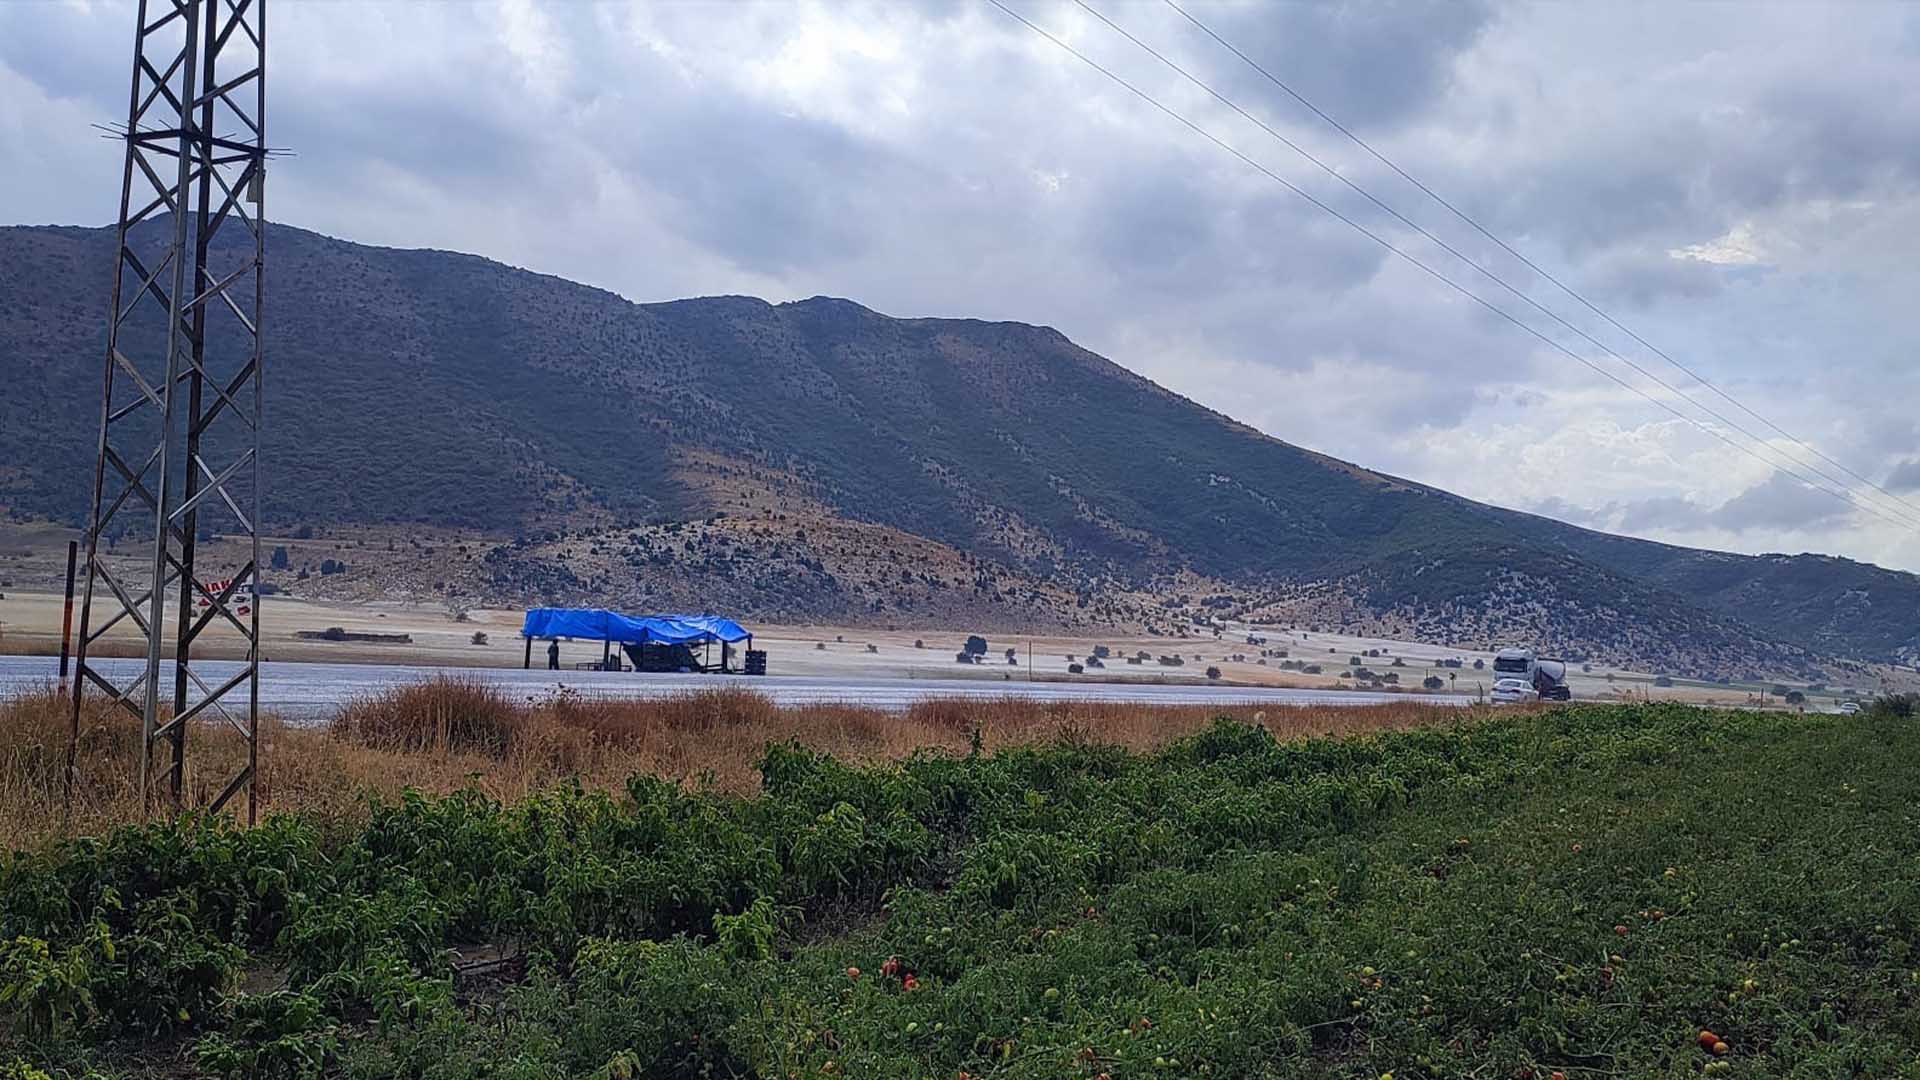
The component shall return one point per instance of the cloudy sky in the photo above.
(1738, 184)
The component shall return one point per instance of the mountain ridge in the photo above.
(409, 385)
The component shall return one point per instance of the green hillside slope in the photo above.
(425, 386)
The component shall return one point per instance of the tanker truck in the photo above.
(1519, 675)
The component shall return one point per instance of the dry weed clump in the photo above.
(450, 732)
(444, 713)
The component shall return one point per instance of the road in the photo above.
(308, 692)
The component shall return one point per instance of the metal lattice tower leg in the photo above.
(180, 415)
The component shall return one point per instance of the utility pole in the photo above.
(66, 615)
(180, 403)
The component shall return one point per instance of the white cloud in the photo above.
(1739, 247)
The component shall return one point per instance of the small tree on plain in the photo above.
(975, 646)
(1213, 673)
(279, 560)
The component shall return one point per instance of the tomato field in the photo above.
(1591, 891)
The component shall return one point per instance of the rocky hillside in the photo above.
(444, 389)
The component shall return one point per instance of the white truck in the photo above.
(1519, 675)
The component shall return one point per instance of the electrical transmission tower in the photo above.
(180, 408)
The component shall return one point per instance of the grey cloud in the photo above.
(1663, 512)
(1383, 62)
(1561, 509)
(1157, 224)
(772, 192)
(83, 55)
(1777, 504)
(1905, 476)
(1780, 502)
(1689, 142)
(1642, 278)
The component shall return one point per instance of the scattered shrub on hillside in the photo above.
(1213, 673)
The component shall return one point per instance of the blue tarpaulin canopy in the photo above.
(599, 624)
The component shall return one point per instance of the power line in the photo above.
(1529, 263)
(1909, 520)
(1843, 495)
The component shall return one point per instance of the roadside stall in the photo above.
(650, 642)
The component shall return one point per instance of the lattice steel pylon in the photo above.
(183, 343)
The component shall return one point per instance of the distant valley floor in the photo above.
(854, 656)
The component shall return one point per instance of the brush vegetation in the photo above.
(1580, 891)
(451, 733)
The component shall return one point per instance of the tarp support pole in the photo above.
(527, 664)
(606, 653)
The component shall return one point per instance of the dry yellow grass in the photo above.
(449, 733)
